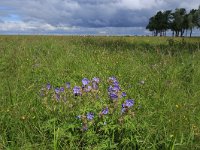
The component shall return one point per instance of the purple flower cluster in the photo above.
(92, 85)
(127, 105)
(77, 91)
(63, 91)
(105, 111)
(85, 81)
(85, 119)
(90, 116)
(115, 93)
(57, 90)
(114, 90)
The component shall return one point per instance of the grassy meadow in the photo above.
(161, 74)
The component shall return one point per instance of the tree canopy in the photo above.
(178, 21)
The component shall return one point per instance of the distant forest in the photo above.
(178, 21)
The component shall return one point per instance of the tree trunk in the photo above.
(190, 32)
(161, 33)
(177, 33)
(156, 32)
(182, 32)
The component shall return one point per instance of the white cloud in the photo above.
(139, 4)
(30, 26)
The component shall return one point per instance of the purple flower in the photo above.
(113, 79)
(48, 86)
(116, 83)
(123, 94)
(68, 85)
(83, 86)
(105, 111)
(85, 81)
(90, 116)
(129, 103)
(62, 89)
(123, 109)
(116, 88)
(95, 86)
(57, 90)
(110, 89)
(95, 79)
(113, 96)
(77, 90)
(88, 89)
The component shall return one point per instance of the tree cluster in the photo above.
(178, 21)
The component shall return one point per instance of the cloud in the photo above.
(57, 14)
(25, 27)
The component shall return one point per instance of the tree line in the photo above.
(178, 21)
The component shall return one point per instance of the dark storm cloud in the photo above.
(64, 14)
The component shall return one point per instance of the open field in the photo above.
(161, 74)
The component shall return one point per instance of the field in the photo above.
(160, 74)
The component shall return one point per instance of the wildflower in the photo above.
(88, 89)
(113, 96)
(123, 94)
(112, 79)
(95, 86)
(129, 103)
(116, 83)
(95, 79)
(85, 81)
(105, 111)
(68, 85)
(110, 89)
(23, 117)
(77, 90)
(57, 90)
(90, 116)
(62, 89)
(48, 86)
(142, 82)
(116, 88)
(123, 110)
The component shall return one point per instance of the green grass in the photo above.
(166, 110)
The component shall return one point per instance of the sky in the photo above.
(80, 17)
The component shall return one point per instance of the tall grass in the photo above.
(161, 74)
